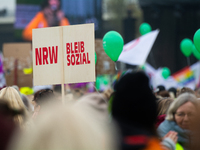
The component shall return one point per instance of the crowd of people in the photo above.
(131, 116)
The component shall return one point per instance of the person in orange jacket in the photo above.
(50, 16)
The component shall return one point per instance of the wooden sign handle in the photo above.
(63, 93)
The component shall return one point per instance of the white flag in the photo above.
(136, 51)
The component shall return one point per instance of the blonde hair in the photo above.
(182, 99)
(15, 102)
(65, 127)
(163, 105)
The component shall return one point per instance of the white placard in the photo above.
(63, 54)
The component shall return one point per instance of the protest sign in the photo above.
(63, 55)
(79, 60)
(17, 56)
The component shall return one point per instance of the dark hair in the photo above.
(164, 93)
(160, 88)
(172, 89)
(133, 101)
(43, 96)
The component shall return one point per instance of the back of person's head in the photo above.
(134, 104)
(7, 124)
(160, 88)
(65, 128)
(97, 103)
(164, 93)
(181, 99)
(14, 100)
(185, 90)
(12, 96)
(163, 105)
(43, 96)
(172, 91)
(24, 98)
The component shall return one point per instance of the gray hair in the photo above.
(182, 99)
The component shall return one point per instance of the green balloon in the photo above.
(165, 72)
(105, 81)
(113, 44)
(196, 39)
(196, 53)
(186, 47)
(98, 80)
(145, 28)
(143, 67)
(95, 58)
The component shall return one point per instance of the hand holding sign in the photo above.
(113, 44)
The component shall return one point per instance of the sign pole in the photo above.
(62, 68)
(63, 93)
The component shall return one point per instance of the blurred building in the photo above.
(177, 19)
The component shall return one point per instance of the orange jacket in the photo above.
(39, 21)
(151, 143)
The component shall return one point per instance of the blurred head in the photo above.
(182, 110)
(14, 100)
(65, 128)
(163, 105)
(43, 96)
(7, 124)
(24, 98)
(134, 104)
(97, 103)
(173, 91)
(54, 4)
(164, 93)
(185, 90)
(160, 88)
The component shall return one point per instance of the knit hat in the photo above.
(134, 104)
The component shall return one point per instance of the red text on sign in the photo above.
(42, 55)
(76, 54)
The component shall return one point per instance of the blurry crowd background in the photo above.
(176, 20)
(122, 110)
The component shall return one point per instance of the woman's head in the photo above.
(12, 97)
(14, 100)
(182, 110)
